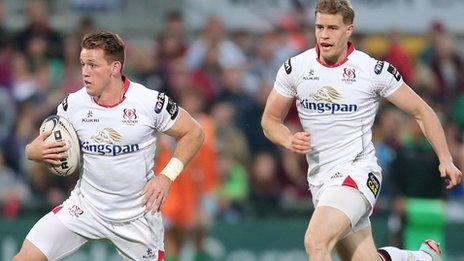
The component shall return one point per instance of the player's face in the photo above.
(96, 71)
(332, 36)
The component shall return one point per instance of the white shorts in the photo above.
(70, 225)
(352, 189)
(351, 202)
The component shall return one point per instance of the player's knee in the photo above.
(314, 244)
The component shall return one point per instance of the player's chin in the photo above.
(89, 90)
(328, 54)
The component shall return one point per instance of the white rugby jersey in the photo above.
(337, 105)
(118, 146)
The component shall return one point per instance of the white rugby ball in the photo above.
(62, 129)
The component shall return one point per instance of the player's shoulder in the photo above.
(78, 94)
(377, 68)
(147, 98)
(363, 59)
(379, 71)
(74, 99)
(141, 92)
(310, 53)
(305, 56)
(295, 63)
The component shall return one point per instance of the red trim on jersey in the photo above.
(160, 255)
(433, 247)
(125, 87)
(384, 255)
(350, 183)
(57, 208)
(350, 49)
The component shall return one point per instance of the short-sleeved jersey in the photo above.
(118, 146)
(337, 106)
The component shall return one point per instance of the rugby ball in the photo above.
(62, 129)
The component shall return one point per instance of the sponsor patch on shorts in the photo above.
(373, 184)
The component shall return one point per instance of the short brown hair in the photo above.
(342, 7)
(111, 44)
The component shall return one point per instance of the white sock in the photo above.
(396, 254)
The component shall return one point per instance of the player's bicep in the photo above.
(183, 125)
(277, 107)
(407, 100)
(166, 112)
(386, 79)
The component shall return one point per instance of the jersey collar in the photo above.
(125, 87)
(350, 47)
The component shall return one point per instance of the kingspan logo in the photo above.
(326, 101)
(107, 135)
(106, 140)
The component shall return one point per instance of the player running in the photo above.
(117, 196)
(337, 91)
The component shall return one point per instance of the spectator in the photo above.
(264, 188)
(398, 56)
(232, 193)
(214, 36)
(85, 25)
(191, 204)
(447, 67)
(230, 139)
(5, 50)
(413, 174)
(7, 117)
(13, 190)
(38, 26)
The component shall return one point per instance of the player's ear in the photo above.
(349, 30)
(116, 67)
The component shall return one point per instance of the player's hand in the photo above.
(46, 152)
(299, 143)
(450, 173)
(155, 193)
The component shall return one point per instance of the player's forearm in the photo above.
(276, 132)
(433, 131)
(189, 144)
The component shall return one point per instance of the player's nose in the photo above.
(324, 34)
(85, 71)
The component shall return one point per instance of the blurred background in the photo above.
(242, 198)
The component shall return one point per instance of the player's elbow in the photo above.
(197, 133)
(266, 123)
(423, 111)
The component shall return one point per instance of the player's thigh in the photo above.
(339, 209)
(51, 238)
(141, 239)
(348, 200)
(326, 227)
(29, 252)
(357, 246)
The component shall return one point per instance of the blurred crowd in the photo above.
(222, 78)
